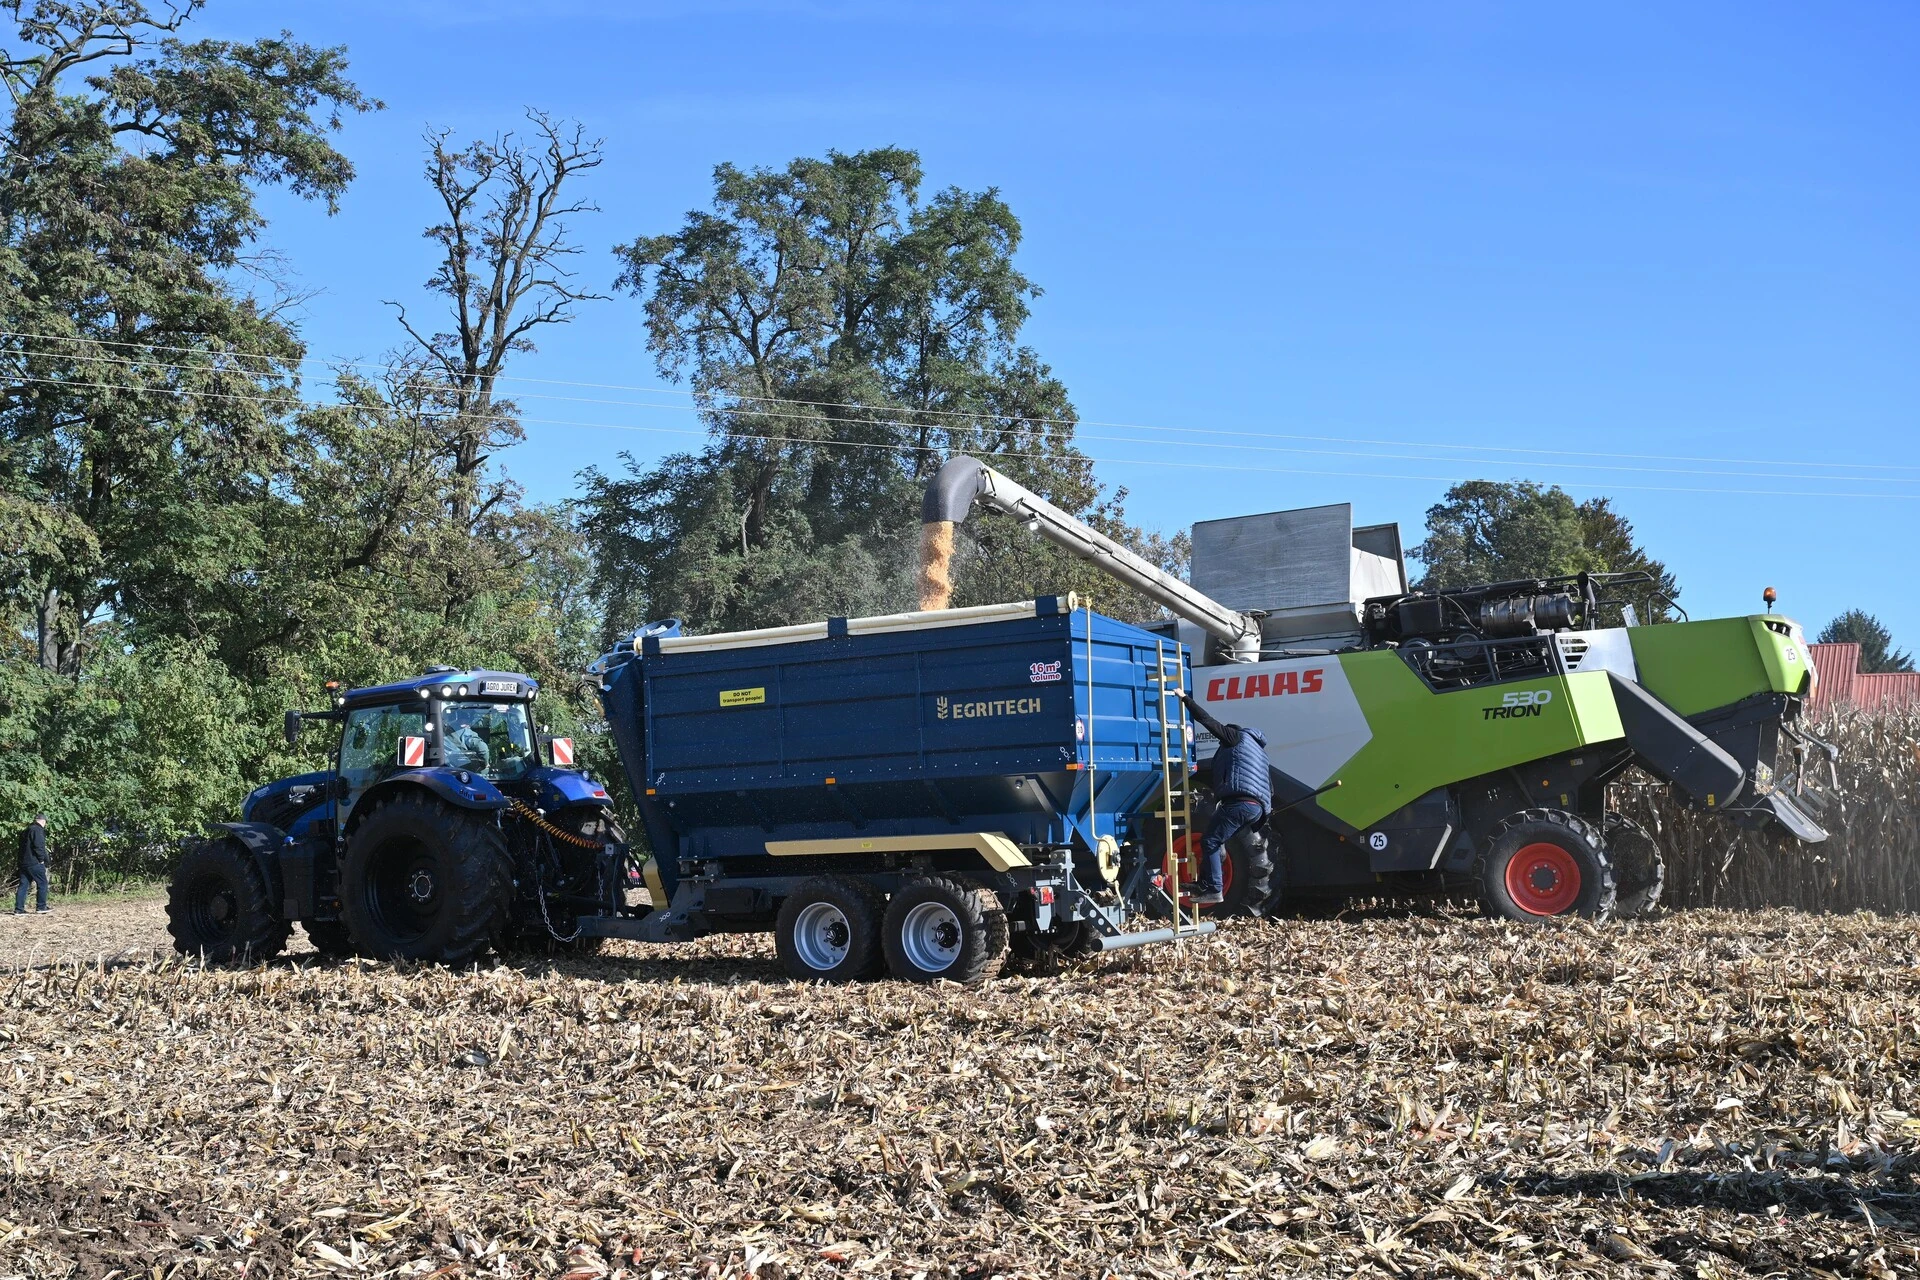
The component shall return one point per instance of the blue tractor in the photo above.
(445, 826)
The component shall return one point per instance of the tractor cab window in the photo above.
(371, 738)
(493, 739)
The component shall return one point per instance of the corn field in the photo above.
(1871, 861)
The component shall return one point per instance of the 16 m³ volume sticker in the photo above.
(742, 697)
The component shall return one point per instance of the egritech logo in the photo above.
(1526, 702)
(981, 710)
(1265, 684)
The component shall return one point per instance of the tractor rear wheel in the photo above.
(940, 927)
(426, 881)
(1542, 863)
(218, 906)
(828, 930)
(1637, 865)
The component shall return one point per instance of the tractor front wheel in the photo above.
(425, 881)
(218, 906)
(1542, 863)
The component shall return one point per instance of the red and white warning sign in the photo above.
(563, 753)
(412, 753)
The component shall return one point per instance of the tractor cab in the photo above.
(470, 736)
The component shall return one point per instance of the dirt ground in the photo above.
(1707, 1095)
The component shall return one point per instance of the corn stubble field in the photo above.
(1709, 1094)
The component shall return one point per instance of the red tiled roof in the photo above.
(1842, 683)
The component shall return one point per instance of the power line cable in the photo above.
(910, 448)
(1530, 451)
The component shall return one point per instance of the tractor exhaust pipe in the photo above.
(963, 481)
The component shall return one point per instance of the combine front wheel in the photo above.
(1547, 862)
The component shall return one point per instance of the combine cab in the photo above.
(444, 825)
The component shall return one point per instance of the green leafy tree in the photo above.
(1492, 531)
(842, 336)
(146, 407)
(1877, 654)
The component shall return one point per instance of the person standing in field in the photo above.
(33, 866)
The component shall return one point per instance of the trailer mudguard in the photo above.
(1673, 750)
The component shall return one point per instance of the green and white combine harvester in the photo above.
(1461, 743)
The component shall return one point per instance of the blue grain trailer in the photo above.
(925, 792)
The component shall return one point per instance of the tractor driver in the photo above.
(1243, 791)
(464, 748)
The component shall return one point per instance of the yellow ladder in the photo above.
(1176, 800)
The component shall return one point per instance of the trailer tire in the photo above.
(218, 906)
(329, 938)
(828, 930)
(1638, 867)
(423, 880)
(943, 928)
(1542, 863)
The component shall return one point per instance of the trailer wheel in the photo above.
(425, 881)
(944, 928)
(218, 906)
(1638, 867)
(1547, 862)
(828, 930)
(329, 938)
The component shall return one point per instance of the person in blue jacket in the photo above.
(1243, 793)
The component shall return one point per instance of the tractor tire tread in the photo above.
(485, 891)
(262, 934)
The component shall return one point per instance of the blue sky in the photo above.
(1662, 252)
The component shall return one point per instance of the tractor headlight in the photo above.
(463, 691)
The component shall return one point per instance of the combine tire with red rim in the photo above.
(1547, 862)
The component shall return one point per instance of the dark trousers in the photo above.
(1228, 821)
(34, 873)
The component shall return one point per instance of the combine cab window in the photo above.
(494, 739)
(372, 736)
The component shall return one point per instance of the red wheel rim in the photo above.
(1188, 853)
(1543, 879)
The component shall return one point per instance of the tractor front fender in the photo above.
(558, 788)
(265, 842)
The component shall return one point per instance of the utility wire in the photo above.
(1153, 462)
(1042, 421)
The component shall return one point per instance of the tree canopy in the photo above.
(1494, 531)
(1877, 654)
(843, 336)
